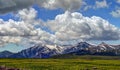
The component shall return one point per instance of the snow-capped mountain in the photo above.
(39, 51)
(82, 48)
(77, 47)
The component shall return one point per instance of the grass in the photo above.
(79, 63)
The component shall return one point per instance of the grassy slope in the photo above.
(79, 63)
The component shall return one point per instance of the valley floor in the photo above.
(79, 63)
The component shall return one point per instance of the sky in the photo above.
(24, 23)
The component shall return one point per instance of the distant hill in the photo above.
(5, 54)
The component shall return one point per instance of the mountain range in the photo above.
(47, 51)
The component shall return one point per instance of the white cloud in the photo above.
(68, 28)
(13, 31)
(116, 13)
(74, 26)
(9, 39)
(98, 4)
(101, 4)
(19, 28)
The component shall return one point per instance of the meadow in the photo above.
(78, 63)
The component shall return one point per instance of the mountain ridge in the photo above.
(82, 48)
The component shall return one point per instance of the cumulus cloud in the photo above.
(116, 13)
(14, 31)
(13, 5)
(24, 31)
(19, 28)
(7, 39)
(67, 28)
(74, 26)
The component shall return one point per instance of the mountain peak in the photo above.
(83, 43)
(6, 51)
(103, 43)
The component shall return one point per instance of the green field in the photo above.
(79, 63)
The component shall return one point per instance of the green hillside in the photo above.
(89, 57)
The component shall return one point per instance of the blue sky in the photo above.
(45, 14)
